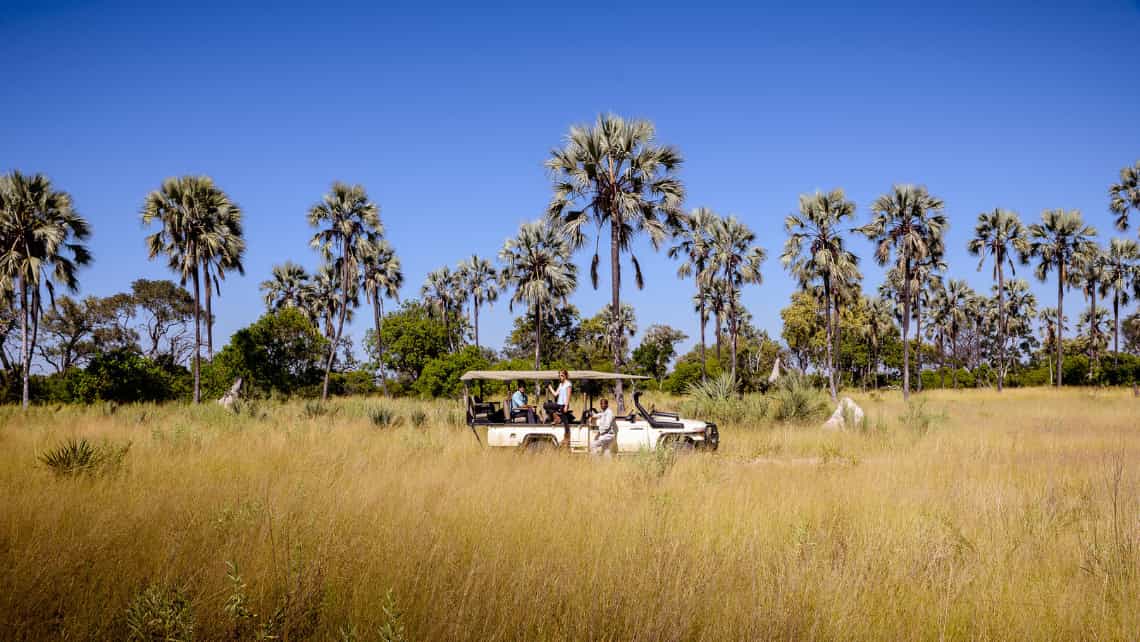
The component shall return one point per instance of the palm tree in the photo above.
(1052, 331)
(908, 221)
(1000, 234)
(879, 323)
(441, 290)
(815, 251)
(324, 301)
(220, 252)
(925, 279)
(616, 175)
(738, 262)
(1091, 277)
(289, 287)
(383, 278)
(200, 226)
(1061, 242)
(961, 307)
(694, 234)
(480, 280)
(1125, 195)
(1121, 274)
(537, 266)
(352, 230)
(40, 231)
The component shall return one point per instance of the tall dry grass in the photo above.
(972, 515)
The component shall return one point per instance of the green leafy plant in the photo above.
(79, 456)
(419, 418)
(797, 399)
(158, 613)
(383, 417)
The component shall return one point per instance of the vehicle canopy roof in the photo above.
(544, 375)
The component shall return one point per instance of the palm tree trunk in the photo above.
(537, 335)
(197, 337)
(615, 310)
(906, 327)
(1002, 328)
(336, 338)
(209, 314)
(475, 316)
(827, 323)
(1116, 326)
(717, 335)
(376, 316)
(954, 351)
(918, 333)
(26, 351)
(1094, 329)
(704, 360)
(1060, 322)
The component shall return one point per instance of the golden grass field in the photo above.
(980, 516)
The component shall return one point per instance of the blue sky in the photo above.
(446, 113)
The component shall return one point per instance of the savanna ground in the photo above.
(968, 515)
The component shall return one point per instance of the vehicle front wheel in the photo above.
(539, 446)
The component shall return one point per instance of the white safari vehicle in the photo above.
(641, 429)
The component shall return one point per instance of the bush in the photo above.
(160, 614)
(383, 417)
(124, 376)
(75, 457)
(797, 399)
(717, 400)
(440, 377)
(279, 353)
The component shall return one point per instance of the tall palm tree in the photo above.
(1121, 278)
(349, 228)
(925, 279)
(961, 307)
(41, 233)
(383, 278)
(615, 175)
(480, 280)
(441, 289)
(694, 244)
(200, 226)
(1124, 196)
(909, 222)
(738, 261)
(537, 267)
(223, 251)
(1051, 331)
(815, 251)
(289, 287)
(1000, 234)
(1061, 242)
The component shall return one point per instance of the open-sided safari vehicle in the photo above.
(639, 430)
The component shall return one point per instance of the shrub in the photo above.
(918, 418)
(797, 399)
(280, 352)
(383, 417)
(717, 400)
(419, 418)
(160, 614)
(75, 457)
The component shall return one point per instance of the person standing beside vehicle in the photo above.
(562, 394)
(605, 424)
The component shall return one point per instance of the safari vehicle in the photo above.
(639, 430)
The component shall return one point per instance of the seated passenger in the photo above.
(520, 407)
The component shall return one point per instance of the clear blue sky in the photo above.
(446, 113)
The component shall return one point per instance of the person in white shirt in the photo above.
(562, 396)
(605, 423)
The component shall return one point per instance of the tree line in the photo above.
(613, 178)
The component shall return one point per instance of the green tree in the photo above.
(443, 291)
(41, 233)
(349, 227)
(908, 223)
(802, 329)
(561, 331)
(411, 337)
(383, 278)
(440, 377)
(657, 349)
(815, 251)
(694, 247)
(279, 353)
(738, 261)
(1000, 234)
(1091, 276)
(537, 267)
(1121, 280)
(961, 304)
(615, 175)
(480, 280)
(77, 330)
(1061, 242)
(879, 327)
(197, 222)
(1124, 196)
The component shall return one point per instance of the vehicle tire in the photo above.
(539, 446)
